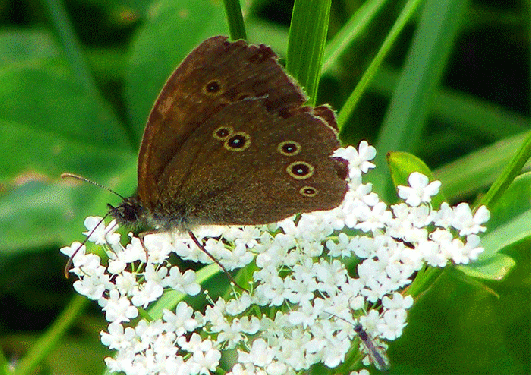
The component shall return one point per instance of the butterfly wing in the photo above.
(214, 75)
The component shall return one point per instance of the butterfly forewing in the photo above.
(212, 76)
(229, 141)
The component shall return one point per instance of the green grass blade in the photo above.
(171, 298)
(463, 111)
(47, 342)
(307, 39)
(404, 17)
(477, 170)
(508, 174)
(353, 29)
(235, 19)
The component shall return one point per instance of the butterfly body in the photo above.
(229, 142)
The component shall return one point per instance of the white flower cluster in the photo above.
(307, 295)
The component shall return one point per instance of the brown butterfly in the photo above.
(229, 142)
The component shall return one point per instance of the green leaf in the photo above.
(32, 215)
(494, 268)
(402, 164)
(49, 124)
(470, 115)
(42, 96)
(510, 218)
(71, 47)
(351, 102)
(47, 342)
(171, 298)
(47, 153)
(24, 46)
(508, 174)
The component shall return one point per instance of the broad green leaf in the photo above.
(32, 216)
(46, 153)
(49, 124)
(26, 45)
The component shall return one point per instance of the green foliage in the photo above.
(307, 38)
(77, 85)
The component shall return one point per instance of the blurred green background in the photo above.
(77, 81)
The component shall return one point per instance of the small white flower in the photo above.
(249, 325)
(181, 321)
(358, 159)
(419, 189)
(239, 305)
(95, 280)
(465, 253)
(118, 337)
(158, 247)
(75, 247)
(146, 293)
(392, 324)
(360, 372)
(374, 218)
(339, 249)
(182, 282)
(466, 223)
(126, 282)
(205, 357)
(246, 369)
(97, 231)
(92, 288)
(398, 301)
(118, 308)
(260, 354)
(134, 251)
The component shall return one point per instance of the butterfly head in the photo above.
(130, 212)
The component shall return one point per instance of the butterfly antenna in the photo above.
(81, 178)
(200, 246)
